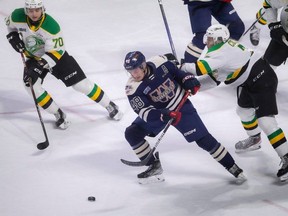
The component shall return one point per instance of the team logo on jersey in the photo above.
(146, 90)
(164, 93)
(34, 44)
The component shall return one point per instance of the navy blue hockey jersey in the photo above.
(159, 89)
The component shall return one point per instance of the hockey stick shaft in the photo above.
(148, 157)
(167, 28)
(44, 144)
(253, 24)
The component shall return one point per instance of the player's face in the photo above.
(209, 42)
(34, 13)
(138, 74)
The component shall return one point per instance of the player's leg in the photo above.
(263, 90)
(95, 93)
(200, 20)
(193, 129)
(71, 74)
(226, 14)
(135, 135)
(45, 101)
(250, 125)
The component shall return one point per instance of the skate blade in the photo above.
(284, 178)
(118, 116)
(65, 125)
(152, 179)
(251, 148)
(241, 179)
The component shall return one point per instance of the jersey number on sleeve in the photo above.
(58, 42)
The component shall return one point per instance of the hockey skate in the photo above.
(238, 173)
(114, 112)
(255, 35)
(250, 144)
(283, 171)
(61, 121)
(153, 174)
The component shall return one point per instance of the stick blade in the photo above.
(43, 145)
(132, 163)
(139, 163)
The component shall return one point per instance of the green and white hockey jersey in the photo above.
(41, 41)
(228, 62)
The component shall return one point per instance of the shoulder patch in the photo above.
(131, 86)
(157, 60)
(50, 25)
(18, 15)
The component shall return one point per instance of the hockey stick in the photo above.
(146, 160)
(253, 24)
(45, 144)
(167, 28)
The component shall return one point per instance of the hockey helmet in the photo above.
(134, 60)
(284, 18)
(218, 32)
(34, 4)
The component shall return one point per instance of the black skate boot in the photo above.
(238, 173)
(61, 121)
(283, 171)
(114, 112)
(153, 174)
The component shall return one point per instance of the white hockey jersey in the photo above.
(42, 41)
(228, 62)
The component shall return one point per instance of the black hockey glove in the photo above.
(190, 83)
(16, 42)
(33, 70)
(277, 31)
(167, 114)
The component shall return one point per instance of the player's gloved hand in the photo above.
(277, 31)
(16, 42)
(167, 114)
(190, 83)
(33, 70)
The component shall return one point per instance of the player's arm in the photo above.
(13, 36)
(203, 73)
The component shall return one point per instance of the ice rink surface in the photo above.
(84, 160)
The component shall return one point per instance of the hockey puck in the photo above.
(91, 198)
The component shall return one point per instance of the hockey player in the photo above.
(200, 14)
(36, 34)
(276, 52)
(230, 62)
(154, 90)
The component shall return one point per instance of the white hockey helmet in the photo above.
(284, 18)
(34, 4)
(218, 32)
